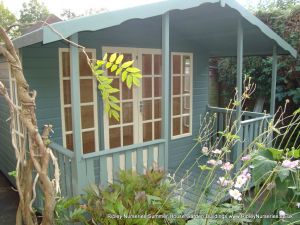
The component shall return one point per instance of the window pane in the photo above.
(147, 132)
(147, 110)
(66, 64)
(84, 68)
(176, 106)
(186, 104)
(88, 141)
(147, 87)
(157, 109)
(86, 90)
(176, 85)
(68, 119)
(87, 117)
(126, 92)
(185, 124)
(114, 137)
(176, 64)
(67, 92)
(157, 87)
(176, 126)
(186, 84)
(127, 111)
(127, 135)
(157, 64)
(69, 141)
(157, 130)
(147, 64)
(187, 64)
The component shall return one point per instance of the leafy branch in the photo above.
(129, 74)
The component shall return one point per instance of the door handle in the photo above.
(141, 106)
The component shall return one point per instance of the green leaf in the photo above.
(113, 57)
(114, 99)
(12, 173)
(276, 153)
(113, 90)
(105, 57)
(115, 106)
(119, 71)
(132, 70)
(100, 63)
(119, 59)
(113, 68)
(283, 173)
(205, 167)
(99, 72)
(262, 168)
(124, 76)
(137, 75)
(106, 107)
(129, 81)
(108, 65)
(294, 153)
(296, 112)
(136, 81)
(127, 64)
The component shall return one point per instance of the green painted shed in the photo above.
(171, 42)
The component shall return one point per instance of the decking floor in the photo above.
(8, 202)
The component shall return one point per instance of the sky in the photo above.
(79, 6)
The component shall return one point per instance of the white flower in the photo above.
(235, 194)
(219, 162)
(224, 182)
(240, 181)
(298, 205)
(290, 164)
(227, 166)
(282, 214)
(217, 151)
(205, 150)
(212, 162)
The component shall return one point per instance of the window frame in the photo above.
(63, 106)
(181, 95)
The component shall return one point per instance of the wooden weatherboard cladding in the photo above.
(88, 102)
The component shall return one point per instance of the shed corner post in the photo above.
(166, 82)
(77, 164)
(237, 150)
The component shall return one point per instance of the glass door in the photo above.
(140, 116)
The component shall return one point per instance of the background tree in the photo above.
(7, 19)
(32, 12)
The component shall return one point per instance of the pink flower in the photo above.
(246, 158)
(224, 182)
(290, 164)
(227, 166)
(235, 194)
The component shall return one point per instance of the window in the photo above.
(88, 102)
(181, 102)
(17, 129)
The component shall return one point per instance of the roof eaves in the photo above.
(29, 38)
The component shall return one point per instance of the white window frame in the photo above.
(94, 103)
(181, 95)
(18, 128)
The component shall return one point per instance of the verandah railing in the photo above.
(253, 125)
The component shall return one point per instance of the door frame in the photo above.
(137, 92)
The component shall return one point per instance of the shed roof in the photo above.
(260, 43)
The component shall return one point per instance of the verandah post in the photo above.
(274, 76)
(77, 172)
(166, 81)
(239, 85)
